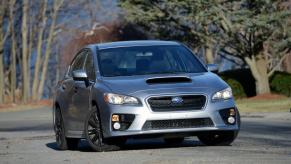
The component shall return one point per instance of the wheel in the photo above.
(177, 140)
(218, 138)
(63, 143)
(238, 120)
(94, 136)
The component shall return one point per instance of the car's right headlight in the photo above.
(223, 94)
(119, 99)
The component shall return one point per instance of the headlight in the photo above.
(224, 94)
(119, 99)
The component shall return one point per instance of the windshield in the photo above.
(141, 60)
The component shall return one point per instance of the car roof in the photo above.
(134, 43)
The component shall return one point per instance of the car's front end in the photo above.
(191, 104)
(158, 88)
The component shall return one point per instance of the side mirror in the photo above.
(80, 75)
(212, 68)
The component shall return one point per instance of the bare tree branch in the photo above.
(278, 64)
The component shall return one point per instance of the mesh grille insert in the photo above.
(177, 124)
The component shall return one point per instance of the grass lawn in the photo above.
(272, 105)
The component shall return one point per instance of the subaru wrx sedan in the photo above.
(120, 90)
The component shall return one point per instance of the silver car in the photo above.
(120, 90)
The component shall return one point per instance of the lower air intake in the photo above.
(177, 124)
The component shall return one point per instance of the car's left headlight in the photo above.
(119, 99)
(224, 94)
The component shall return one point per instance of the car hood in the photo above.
(131, 85)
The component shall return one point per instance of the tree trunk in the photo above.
(259, 69)
(1, 52)
(25, 78)
(13, 52)
(32, 31)
(57, 5)
(209, 53)
(39, 51)
(287, 64)
(1, 75)
(262, 85)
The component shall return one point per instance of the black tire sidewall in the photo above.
(104, 146)
(63, 145)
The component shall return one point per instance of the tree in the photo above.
(32, 31)
(186, 21)
(3, 37)
(42, 25)
(241, 28)
(56, 7)
(256, 31)
(24, 32)
(13, 51)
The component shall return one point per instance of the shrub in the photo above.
(244, 77)
(237, 88)
(280, 83)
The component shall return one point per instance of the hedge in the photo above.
(243, 83)
(244, 77)
(237, 88)
(280, 83)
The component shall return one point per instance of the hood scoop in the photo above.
(167, 80)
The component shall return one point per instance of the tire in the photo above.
(177, 140)
(238, 120)
(63, 143)
(218, 138)
(94, 135)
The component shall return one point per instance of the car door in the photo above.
(70, 110)
(81, 97)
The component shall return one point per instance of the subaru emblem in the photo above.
(177, 100)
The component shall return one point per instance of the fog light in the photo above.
(115, 118)
(231, 120)
(232, 112)
(116, 125)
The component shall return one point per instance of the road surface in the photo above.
(27, 137)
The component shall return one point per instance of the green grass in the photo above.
(275, 105)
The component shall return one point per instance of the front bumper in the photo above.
(144, 113)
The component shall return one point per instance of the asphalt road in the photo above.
(27, 137)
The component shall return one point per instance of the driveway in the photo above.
(27, 137)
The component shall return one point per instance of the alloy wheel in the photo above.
(58, 128)
(94, 129)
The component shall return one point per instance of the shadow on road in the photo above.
(136, 145)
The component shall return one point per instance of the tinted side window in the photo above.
(78, 63)
(89, 67)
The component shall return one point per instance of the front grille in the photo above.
(164, 104)
(177, 124)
